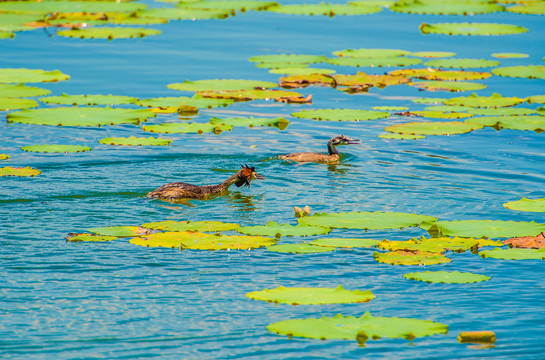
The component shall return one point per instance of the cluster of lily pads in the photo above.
(87, 19)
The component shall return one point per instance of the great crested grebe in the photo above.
(180, 190)
(332, 157)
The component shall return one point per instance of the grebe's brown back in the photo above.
(332, 157)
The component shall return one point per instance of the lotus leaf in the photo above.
(401, 136)
(429, 100)
(66, 99)
(485, 29)
(248, 95)
(450, 108)
(510, 55)
(446, 277)
(203, 226)
(341, 114)
(6, 35)
(533, 8)
(221, 85)
(365, 220)
(279, 122)
(436, 245)
(371, 53)
(64, 6)
(172, 239)
(514, 254)
(503, 111)
(410, 258)
(462, 63)
(345, 242)
(375, 62)
(299, 248)
(524, 204)
(438, 74)
(528, 71)
(10, 22)
(82, 19)
(21, 90)
(453, 86)
(301, 81)
(4, 157)
(433, 54)
(362, 78)
(80, 116)
(434, 128)
(440, 114)
(19, 171)
(326, 9)
(89, 238)
(278, 230)
(56, 148)
(390, 108)
(540, 99)
(311, 296)
(446, 8)
(535, 123)
(175, 102)
(279, 65)
(109, 33)
(7, 103)
(287, 59)
(120, 231)
(135, 141)
(534, 242)
(8, 75)
(484, 228)
(187, 14)
(477, 337)
(474, 100)
(227, 242)
(180, 128)
(231, 5)
(301, 71)
(360, 329)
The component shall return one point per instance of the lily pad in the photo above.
(531, 242)
(362, 78)
(401, 136)
(181, 128)
(359, 329)
(109, 33)
(6, 35)
(4, 157)
(341, 114)
(202, 226)
(300, 71)
(522, 71)
(8, 75)
(484, 228)
(439, 74)
(21, 90)
(278, 122)
(173, 103)
(530, 123)
(524, 204)
(172, 239)
(453, 86)
(227, 242)
(514, 254)
(375, 62)
(19, 171)
(439, 114)
(390, 108)
(326, 9)
(287, 59)
(56, 148)
(505, 111)
(474, 100)
(462, 63)
(365, 220)
(135, 141)
(433, 54)
(66, 99)
(80, 116)
(434, 128)
(485, 29)
(510, 55)
(446, 277)
(248, 95)
(446, 8)
(531, 8)
(345, 242)
(436, 245)
(371, 53)
(7, 103)
(221, 85)
(311, 295)
(278, 230)
(120, 231)
(410, 258)
(540, 99)
(301, 81)
(89, 238)
(301, 248)
(187, 14)
(64, 6)
(231, 5)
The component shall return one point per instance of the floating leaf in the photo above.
(66, 99)
(203, 226)
(365, 220)
(341, 114)
(311, 295)
(64, 6)
(502, 111)
(484, 228)
(533, 8)
(19, 171)
(390, 108)
(446, 277)
(535, 123)
(439, 114)
(510, 55)
(375, 62)
(299, 248)
(363, 79)
(535, 242)
(301, 71)
(514, 254)
(528, 71)
(248, 95)
(452, 86)
(524, 204)
(56, 148)
(120, 231)
(429, 100)
(360, 329)
(436, 245)
(433, 54)
(221, 85)
(345, 242)
(371, 53)
(326, 9)
(462, 63)
(6, 34)
(4, 157)
(21, 90)
(446, 8)
(231, 5)
(540, 99)
(434, 128)
(438, 74)
(187, 14)
(135, 141)
(227, 242)
(279, 122)
(89, 238)
(474, 100)
(172, 239)
(109, 33)
(485, 29)
(278, 230)
(180, 128)
(287, 59)
(30, 75)
(301, 81)
(401, 136)
(80, 116)
(410, 258)
(173, 103)
(10, 22)
(16, 103)
(477, 337)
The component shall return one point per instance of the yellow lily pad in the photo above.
(484, 29)
(171, 239)
(56, 148)
(19, 171)
(311, 295)
(228, 242)
(202, 226)
(89, 238)
(21, 91)
(120, 231)
(301, 248)
(446, 277)
(109, 33)
(434, 128)
(411, 258)
(135, 141)
(7, 104)
(4, 156)
(345, 242)
(17, 76)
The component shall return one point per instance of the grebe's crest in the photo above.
(247, 174)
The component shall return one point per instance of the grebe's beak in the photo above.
(260, 177)
(353, 141)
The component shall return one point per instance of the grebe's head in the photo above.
(343, 140)
(246, 175)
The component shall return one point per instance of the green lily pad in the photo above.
(8, 103)
(439, 74)
(359, 329)
(187, 14)
(365, 220)
(453, 86)
(435, 245)
(172, 239)
(299, 248)
(462, 63)
(278, 230)
(66, 99)
(182, 128)
(510, 55)
(202, 226)
(390, 108)
(278, 122)
(429, 100)
(484, 228)
(505, 111)
(6, 35)
(433, 54)
(63, 6)
(287, 59)
(175, 102)
(301, 81)
(363, 79)
(21, 91)
(345, 242)
(434, 128)
(474, 100)
(326, 9)
(440, 114)
(56, 148)
(371, 53)
(248, 95)
(374, 62)
(341, 114)
(19, 171)
(231, 5)
(531, 8)
(446, 8)
(120, 231)
(485, 29)
(514, 254)
(524, 204)
(8, 75)
(301, 71)
(401, 136)
(4, 157)
(10, 22)
(311, 295)
(135, 141)
(80, 116)
(410, 258)
(82, 19)
(446, 277)
(540, 99)
(221, 85)
(530, 123)
(227, 242)
(528, 71)
(109, 33)
(89, 238)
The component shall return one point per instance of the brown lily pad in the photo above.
(529, 242)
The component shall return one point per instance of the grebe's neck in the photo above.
(331, 148)
(231, 180)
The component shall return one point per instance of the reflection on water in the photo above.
(242, 202)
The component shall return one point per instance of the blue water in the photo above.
(115, 300)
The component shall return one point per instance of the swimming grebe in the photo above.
(180, 190)
(332, 157)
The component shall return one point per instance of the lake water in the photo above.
(115, 300)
